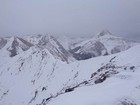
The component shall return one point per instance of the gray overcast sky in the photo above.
(70, 17)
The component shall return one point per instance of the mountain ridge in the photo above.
(80, 49)
(41, 71)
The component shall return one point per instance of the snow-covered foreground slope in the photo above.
(35, 77)
(123, 88)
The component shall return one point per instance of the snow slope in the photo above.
(122, 88)
(38, 70)
(35, 77)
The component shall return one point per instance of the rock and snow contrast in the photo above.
(45, 70)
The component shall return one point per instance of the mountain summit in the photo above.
(104, 32)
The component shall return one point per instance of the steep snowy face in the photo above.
(34, 39)
(14, 46)
(114, 44)
(89, 50)
(52, 45)
(18, 45)
(103, 43)
(55, 48)
(2, 42)
(103, 33)
(70, 42)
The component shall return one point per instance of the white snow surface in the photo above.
(32, 76)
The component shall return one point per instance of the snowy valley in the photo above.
(48, 70)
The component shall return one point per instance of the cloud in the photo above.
(69, 17)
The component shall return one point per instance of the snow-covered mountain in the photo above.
(68, 49)
(103, 43)
(40, 70)
(13, 46)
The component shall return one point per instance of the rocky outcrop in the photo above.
(89, 50)
(2, 42)
(18, 44)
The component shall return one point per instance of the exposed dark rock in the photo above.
(69, 90)
(112, 59)
(89, 50)
(44, 88)
(127, 102)
(132, 67)
(35, 95)
(100, 80)
(116, 49)
(104, 32)
(92, 75)
(49, 98)
(15, 44)
(2, 42)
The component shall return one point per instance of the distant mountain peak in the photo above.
(104, 32)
